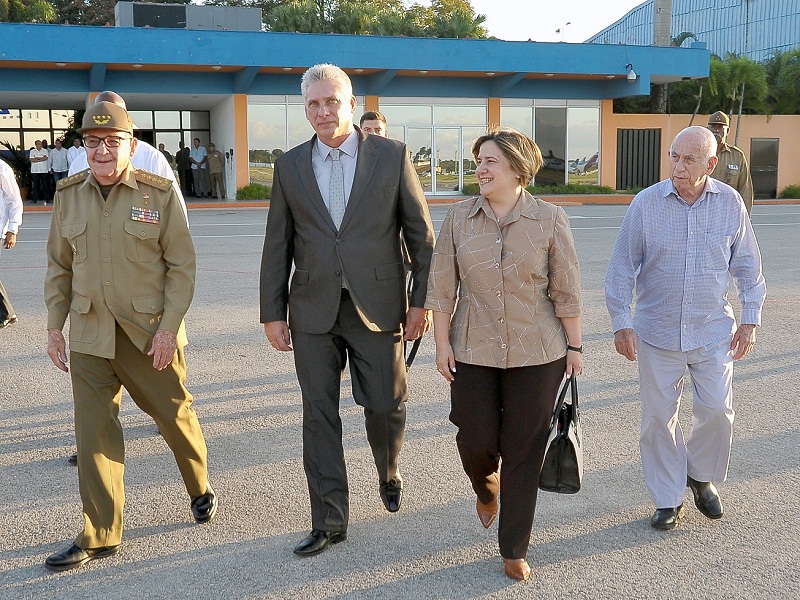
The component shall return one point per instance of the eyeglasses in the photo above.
(110, 141)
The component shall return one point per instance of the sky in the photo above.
(539, 19)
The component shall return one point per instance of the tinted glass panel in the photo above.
(584, 144)
(550, 136)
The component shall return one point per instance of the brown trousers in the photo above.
(97, 389)
(505, 414)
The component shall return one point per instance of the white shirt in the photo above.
(322, 163)
(57, 161)
(145, 158)
(10, 200)
(198, 154)
(73, 152)
(40, 166)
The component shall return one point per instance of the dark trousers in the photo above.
(379, 385)
(41, 186)
(187, 182)
(505, 414)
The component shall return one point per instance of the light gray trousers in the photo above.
(666, 458)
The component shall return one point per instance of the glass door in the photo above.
(420, 142)
(447, 173)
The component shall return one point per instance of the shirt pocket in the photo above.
(83, 324)
(149, 308)
(717, 255)
(141, 241)
(75, 234)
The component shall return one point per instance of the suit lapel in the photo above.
(368, 155)
(308, 181)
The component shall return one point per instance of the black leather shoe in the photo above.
(706, 498)
(667, 518)
(318, 540)
(73, 459)
(74, 556)
(204, 507)
(9, 321)
(392, 494)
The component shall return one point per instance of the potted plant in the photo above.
(19, 162)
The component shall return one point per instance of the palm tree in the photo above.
(27, 11)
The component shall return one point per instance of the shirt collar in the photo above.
(526, 207)
(711, 187)
(349, 146)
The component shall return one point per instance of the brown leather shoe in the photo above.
(486, 512)
(517, 568)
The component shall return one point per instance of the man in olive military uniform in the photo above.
(731, 162)
(121, 265)
(216, 171)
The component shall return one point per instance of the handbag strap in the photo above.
(570, 383)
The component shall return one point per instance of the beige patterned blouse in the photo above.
(508, 285)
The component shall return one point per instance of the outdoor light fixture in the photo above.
(490, 74)
(548, 74)
(287, 68)
(60, 64)
(610, 76)
(216, 67)
(631, 73)
(423, 72)
(137, 65)
(358, 70)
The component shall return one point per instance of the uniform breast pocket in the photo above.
(141, 241)
(75, 234)
(717, 252)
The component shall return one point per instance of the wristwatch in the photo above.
(575, 348)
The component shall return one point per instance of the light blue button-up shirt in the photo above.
(680, 259)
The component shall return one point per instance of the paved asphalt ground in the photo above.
(596, 544)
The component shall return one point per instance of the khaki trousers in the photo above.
(217, 180)
(97, 389)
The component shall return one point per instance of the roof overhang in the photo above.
(156, 68)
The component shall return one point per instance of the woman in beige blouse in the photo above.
(505, 290)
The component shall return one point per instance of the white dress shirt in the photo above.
(58, 161)
(10, 200)
(322, 163)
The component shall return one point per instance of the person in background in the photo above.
(166, 154)
(732, 165)
(40, 172)
(184, 165)
(74, 151)
(374, 123)
(681, 242)
(10, 220)
(198, 157)
(216, 171)
(58, 162)
(505, 292)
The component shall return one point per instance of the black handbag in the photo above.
(562, 471)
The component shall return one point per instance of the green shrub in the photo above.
(471, 189)
(790, 191)
(254, 191)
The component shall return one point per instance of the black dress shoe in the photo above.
(73, 459)
(706, 498)
(204, 507)
(9, 321)
(391, 494)
(667, 518)
(318, 540)
(74, 556)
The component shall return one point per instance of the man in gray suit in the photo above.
(340, 204)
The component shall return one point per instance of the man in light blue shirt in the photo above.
(198, 156)
(681, 242)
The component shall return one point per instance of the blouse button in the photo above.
(503, 346)
(499, 293)
(498, 240)
(496, 265)
(501, 320)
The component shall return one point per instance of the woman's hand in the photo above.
(445, 360)
(574, 363)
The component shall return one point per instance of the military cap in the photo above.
(720, 118)
(105, 115)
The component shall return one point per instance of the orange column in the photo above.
(371, 103)
(241, 147)
(494, 112)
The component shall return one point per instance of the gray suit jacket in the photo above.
(386, 199)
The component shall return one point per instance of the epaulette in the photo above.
(149, 178)
(72, 179)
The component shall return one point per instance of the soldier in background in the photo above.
(732, 165)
